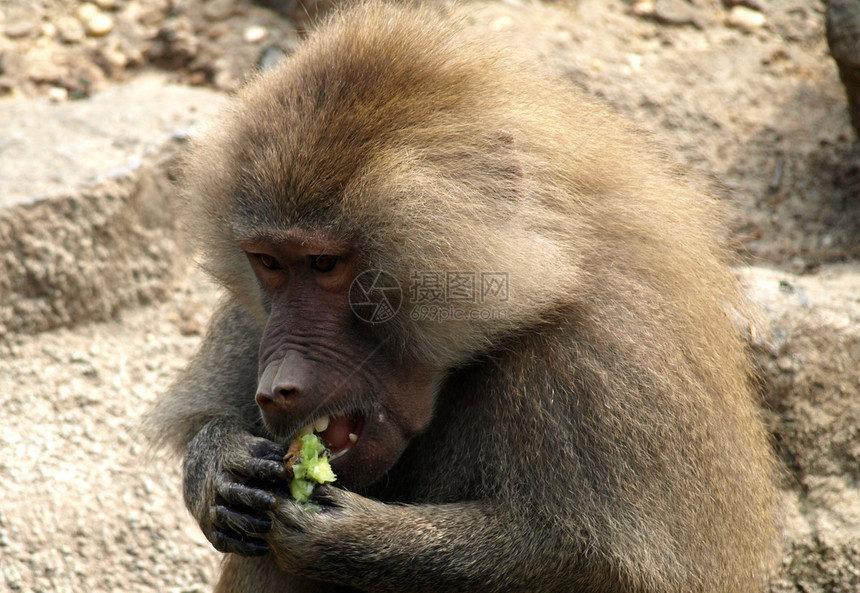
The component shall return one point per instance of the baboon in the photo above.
(557, 396)
(843, 31)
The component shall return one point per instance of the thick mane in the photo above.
(444, 126)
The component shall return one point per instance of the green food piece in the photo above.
(313, 467)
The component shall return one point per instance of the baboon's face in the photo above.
(321, 368)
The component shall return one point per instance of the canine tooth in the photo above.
(353, 437)
(321, 424)
(306, 430)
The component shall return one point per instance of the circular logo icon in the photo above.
(375, 296)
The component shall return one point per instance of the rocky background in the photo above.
(100, 307)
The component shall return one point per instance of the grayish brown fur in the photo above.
(604, 435)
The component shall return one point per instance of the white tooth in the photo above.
(306, 430)
(321, 424)
(353, 437)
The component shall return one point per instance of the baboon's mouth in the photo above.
(339, 432)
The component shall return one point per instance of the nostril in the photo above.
(265, 400)
(277, 398)
(286, 391)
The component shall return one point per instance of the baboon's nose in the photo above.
(283, 382)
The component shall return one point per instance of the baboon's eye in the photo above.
(323, 263)
(268, 262)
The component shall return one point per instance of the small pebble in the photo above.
(58, 94)
(113, 56)
(677, 12)
(270, 56)
(745, 19)
(19, 28)
(219, 10)
(70, 30)
(643, 8)
(96, 22)
(48, 30)
(151, 15)
(255, 34)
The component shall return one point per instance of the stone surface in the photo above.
(812, 386)
(87, 206)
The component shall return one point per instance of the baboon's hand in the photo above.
(229, 481)
(303, 537)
